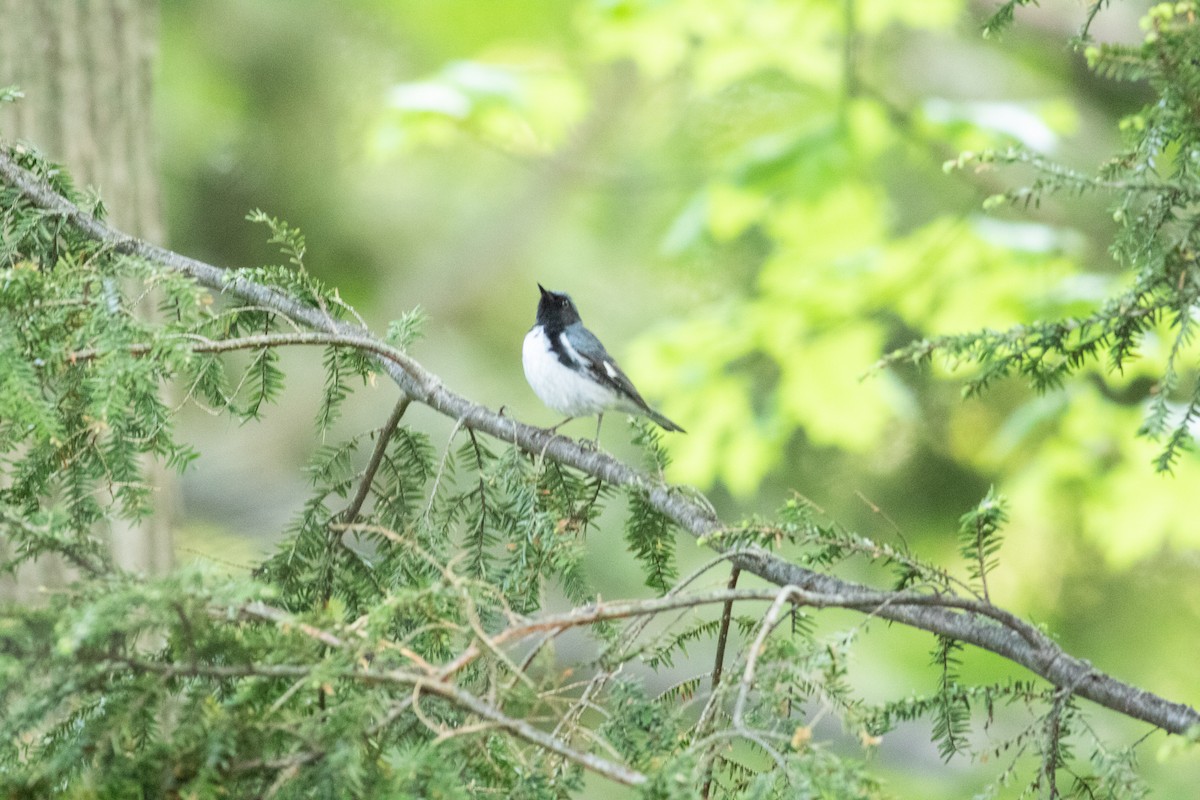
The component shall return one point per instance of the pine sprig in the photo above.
(951, 713)
(290, 239)
(1044, 353)
(664, 653)
(477, 508)
(337, 389)
(651, 538)
(979, 538)
(407, 329)
(649, 533)
(1119, 62)
(1002, 18)
(1155, 184)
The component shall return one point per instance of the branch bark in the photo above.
(980, 625)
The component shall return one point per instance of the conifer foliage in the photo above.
(398, 644)
(1154, 182)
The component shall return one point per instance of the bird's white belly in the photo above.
(558, 386)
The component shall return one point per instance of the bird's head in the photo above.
(555, 309)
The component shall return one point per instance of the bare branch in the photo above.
(718, 668)
(774, 613)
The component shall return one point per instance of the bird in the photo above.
(570, 371)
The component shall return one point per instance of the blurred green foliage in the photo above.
(756, 188)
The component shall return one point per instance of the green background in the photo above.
(747, 201)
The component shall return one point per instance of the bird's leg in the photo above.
(593, 444)
(559, 425)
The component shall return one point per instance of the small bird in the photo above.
(571, 372)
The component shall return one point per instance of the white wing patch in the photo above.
(571, 352)
(611, 369)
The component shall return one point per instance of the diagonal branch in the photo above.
(350, 515)
(1028, 647)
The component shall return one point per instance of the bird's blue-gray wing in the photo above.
(589, 353)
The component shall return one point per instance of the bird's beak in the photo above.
(542, 289)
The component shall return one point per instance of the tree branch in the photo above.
(723, 634)
(350, 515)
(1028, 647)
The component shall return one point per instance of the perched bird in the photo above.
(572, 373)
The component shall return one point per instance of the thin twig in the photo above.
(982, 558)
(441, 471)
(719, 665)
(364, 486)
(723, 634)
(774, 613)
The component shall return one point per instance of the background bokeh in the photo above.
(748, 202)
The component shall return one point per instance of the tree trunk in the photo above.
(87, 70)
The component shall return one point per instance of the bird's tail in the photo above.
(663, 422)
